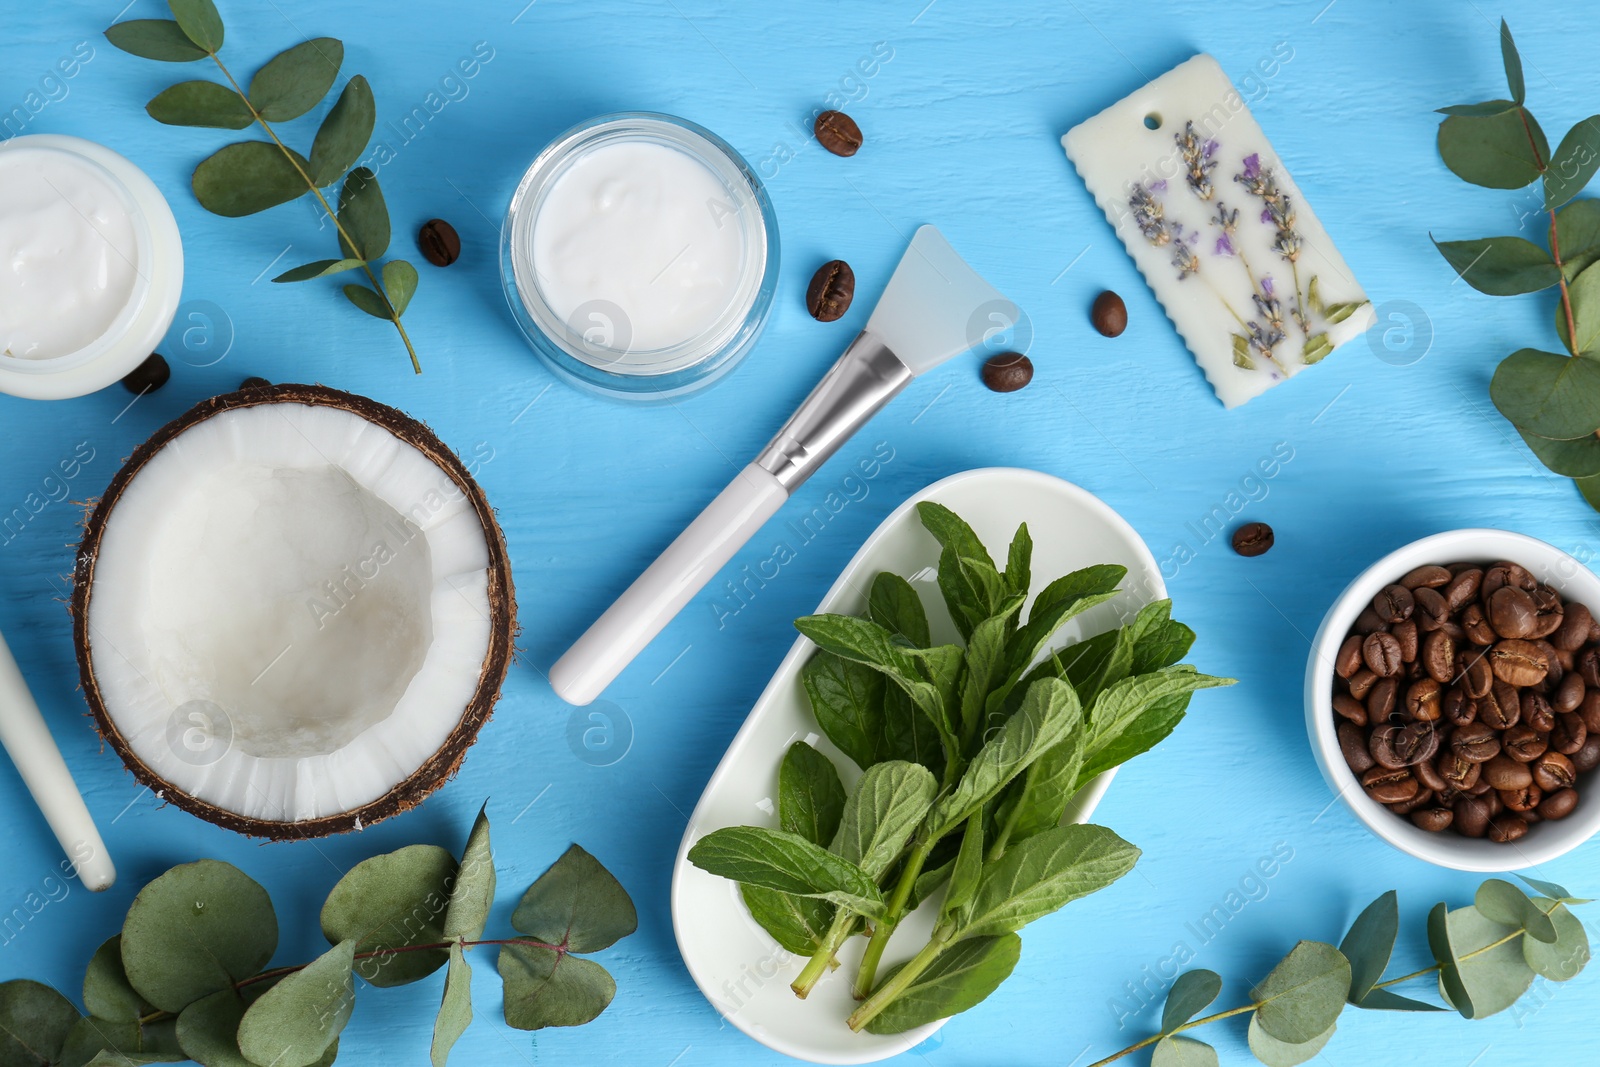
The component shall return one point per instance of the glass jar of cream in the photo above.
(639, 256)
(91, 266)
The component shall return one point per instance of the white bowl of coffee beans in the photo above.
(1453, 700)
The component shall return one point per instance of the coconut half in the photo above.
(293, 611)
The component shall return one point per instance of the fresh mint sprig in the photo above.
(251, 176)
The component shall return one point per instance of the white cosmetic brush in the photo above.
(28, 742)
(935, 307)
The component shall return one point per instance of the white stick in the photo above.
(28, 742)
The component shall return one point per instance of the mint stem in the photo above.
(902, 978)
(883, 930)
(844, 924)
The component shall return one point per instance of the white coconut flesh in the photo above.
(290, 611)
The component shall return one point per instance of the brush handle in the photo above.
(28, 742)
(662, 590)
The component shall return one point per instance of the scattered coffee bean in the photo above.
(1007, 372)
(1252, 539)
(1109, 315)
(832, 288)
(148, 376)
(838, 133)
(439, 242)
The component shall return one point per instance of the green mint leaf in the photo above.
(972, 589)
(847, 699)
(394, 901)
(1043, 624)
(867, 642)
(1370, 943)
(1154, 725)
(1048, 787)
(962, 977)
(1578, 236)
(200, 103)
(1575, 161)
(883, 811)
(200, 22)
(895, 605)
(344, 134)
(987, 663)
(472, 892)
(364, 216)
(1584, 294)
(35, 1021)
(1303, 995)
(1120, 706)
(967, 872)
(1275, 1053)
(1487, 108)
(399, 284)
(251, 176)
(1547, 394)
(1495, 151)
(1568, 954)
(1189, 996)
(811, 799)
(1019, 563)
(1182, 1052)
(952, 531)
(196, 929)
(1501, 902)
(787, 863)
(159, 39)
(1574, 459)
(106, 992)
(320, 268)
(799, 924)
(577, 903)
(1163, 644)
(293, 81)
(455, 1009)
(547, 988)
(367, 301)
(907, 733)
(1047, 871)
(1087, 581)
(294, 1022)
(1513, 63)
(1475, 982)
(1501, 266)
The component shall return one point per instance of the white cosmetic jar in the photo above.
(90, 249)
(639, 256)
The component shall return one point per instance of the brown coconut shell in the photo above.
(439, 767)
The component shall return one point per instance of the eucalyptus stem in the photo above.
(394, 316)
(902, 978)
(867, 975)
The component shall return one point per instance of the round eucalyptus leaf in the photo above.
(1584, 295)
(1188, 997)
(1590, 488)
(364, 216)
(1579, 458)
(1567, 954)
(1495, 151)
(394, 901)
(159, 39)
(577, 902)
(344, 134)
(1274, 1053)
(1370, 942)
(208, 1029)
(294, 1022)
(547, 988)
(1304, 994)
(455, 1010)
(1501, 266)
(1578, 235)
(1504, 903)
(247, 177)
(200, 22)
(1575, 161)
(293, 81)
(472, 892)
(200, 103)
(34, 1023)
(196, 929)
(1182, 1052)
(1548, 395)
(400, 282)
(367, 301)
(1492, 978)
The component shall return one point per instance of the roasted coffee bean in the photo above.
(1458, 773)
(1587, 758)
(1503, 772)
(1348, 659)
(1353, 743)
(1589, 711)
(1558, 805)
(1383, 699)
(1457, 707)
(1525, 798)
(1477, 627)
(1416, 743)
(1473, 673)
(1423, 700)
(1537, 712)
(1554, 771)
(1500, 709)
(1454, 631)
(1427, 773)
(1523, 743)
(1589, 666)
(1413, 667)
(1504, 829)
(1568, 660)
(1480, 787)
(1361, 683)
(1252, 539)
(439, 242)
(1010, 371)
(1554, 672)
(1463, 588)
(148, 376)
(1574, 629)
(1503, 574)
(1432, 610)
(1438, 656)
(1433, 819)
(1389, 786)
(1381, 652)
(1471, 816)
(1406, 807)
(1550, 612)
(832, 289)
(1531, 817)
(1511, 612)
(838, 133)
(1475, 743)
(1109, 315)
(1492, 798)
(1348, 707)
(1569, 733)
(1569, 695)
(1383, 743)
(1428, 574)
(1368, 622)
(1517, 662)
(1394, 603)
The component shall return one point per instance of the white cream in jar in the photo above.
(91, 266)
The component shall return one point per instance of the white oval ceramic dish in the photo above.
(739, 968)
(1555, 568)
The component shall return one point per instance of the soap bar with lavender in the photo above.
(1219, 230)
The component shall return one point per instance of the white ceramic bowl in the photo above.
(742, 972)
(1545, 840)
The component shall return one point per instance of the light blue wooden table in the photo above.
(1382, 444)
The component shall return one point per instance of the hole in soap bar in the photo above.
(1152, 121)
